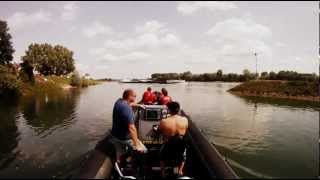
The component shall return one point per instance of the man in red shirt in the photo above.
(148, 97)
(165, 99)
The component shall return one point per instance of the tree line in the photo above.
(46, 59)
(234, 77)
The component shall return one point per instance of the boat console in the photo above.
(147, 122)
(146, 165)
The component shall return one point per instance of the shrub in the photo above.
(75, 79)
(9, 84)
(84, 82)
(26, 72)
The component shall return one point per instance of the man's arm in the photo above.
(137, 105)
(180, 169)
(128, 116)
(133, 134)
(181, 166)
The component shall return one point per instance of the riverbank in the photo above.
(298, 90)
(47, 84)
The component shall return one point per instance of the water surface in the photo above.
(49, 135)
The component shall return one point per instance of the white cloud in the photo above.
(151, 35)
(171, 40)
(110, 57)
(152, 26)
(97, 51)
(23, 19)
(136, 55)
(147, 40)
(96, 28)
(72, 29)
(240, 37)
(189, 8)
(235, 29)
(280, 44)
(102, 67)
(145, 43)
(69, 11)
(245, 49)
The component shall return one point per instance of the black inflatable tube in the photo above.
(217, 167)
(101, 161)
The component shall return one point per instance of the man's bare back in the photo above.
(174, 125)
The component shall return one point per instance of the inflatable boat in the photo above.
(203, 160)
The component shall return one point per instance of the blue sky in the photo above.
(135, 39)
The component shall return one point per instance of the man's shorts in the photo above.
(174, 151)
(120, 146)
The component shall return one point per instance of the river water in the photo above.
(49, 135)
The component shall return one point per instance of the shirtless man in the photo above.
(173, 129)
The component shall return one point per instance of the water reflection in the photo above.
(49, 111)
(9, 134)
(272, 131)
(280, 102)
(27, 150)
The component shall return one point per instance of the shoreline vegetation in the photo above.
(44, 68)
(296, 90)
(245, 76)
(51, 84)
(282, 84)
(44, 84)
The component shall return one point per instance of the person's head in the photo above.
(129, 95)
(164, 92)
(157, 94)
(149, 89)
(173, 107)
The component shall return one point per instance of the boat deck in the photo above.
(203, 161)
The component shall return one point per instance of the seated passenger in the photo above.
(157, 97)
(165, 98)
(148, 97)
(173, 129)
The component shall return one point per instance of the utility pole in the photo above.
(256, 55)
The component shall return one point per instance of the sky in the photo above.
(136, 39)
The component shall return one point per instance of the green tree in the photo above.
(6, 49)
(64, 60)
(246, 74)
(219, 74)
(75, 79)
(50, 60)
(8, 81)
(26, 73)
(186, 76)
(264, 75)
(272, 75)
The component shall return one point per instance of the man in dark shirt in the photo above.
(123, 128)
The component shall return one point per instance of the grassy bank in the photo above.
(50, 84)
(300, 90)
